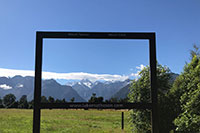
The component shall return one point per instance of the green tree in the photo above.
(58, 101)
(140, 92)
(9, 101)
(51, 99)
(113, 100)
(72, 99)
(195, 52)
(64, 101)
(1, 103)
(23, 103)
(185, 94)
(44, 99)
(31, 104)
(123, 100)
(94, 99)
(99, 99)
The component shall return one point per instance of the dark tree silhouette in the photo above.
(9, 101)
(72, 99)
(51, 99)
(1, 103)
(95, 99)
(23, 103)
(44, 99)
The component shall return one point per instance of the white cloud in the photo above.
(71, 76)
(20, 85)
(13, 72)
(67, 76)
(5, 87)
(136, 75)
(141, 67)
(82, 75)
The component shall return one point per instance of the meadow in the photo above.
(64, 121)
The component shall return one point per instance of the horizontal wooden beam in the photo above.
(96, 35)
(86, 105)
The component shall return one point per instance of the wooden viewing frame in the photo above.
(85, 105)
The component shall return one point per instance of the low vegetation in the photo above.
(178, 102)
(64, 121)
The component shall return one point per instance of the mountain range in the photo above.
(19, 86)
(81, 90)
(86, 88)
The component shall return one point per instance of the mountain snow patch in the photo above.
(88, 84)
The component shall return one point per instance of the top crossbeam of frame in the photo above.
(96, 35)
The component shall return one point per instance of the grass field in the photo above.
(64, 121)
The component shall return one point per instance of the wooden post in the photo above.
(38, 80)
(154, 91)
(122, 120)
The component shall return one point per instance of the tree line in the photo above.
(178, 102)
(100, 99)
(9, 101)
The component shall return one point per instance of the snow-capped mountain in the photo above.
(81, 90)
(86, 82)
(83, 82)
(19, 86)
(85, 88)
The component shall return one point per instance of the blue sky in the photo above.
(176, 24)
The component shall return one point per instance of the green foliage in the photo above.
(72, 99)
(44, 99)
(60, 101)
(63, 101)
(125, 100)
(1, 103)
(140, 92)
(186, 89)
(195, 51)
(23, 103)
(31, 104)
(95, 99)
(9, 101)
(51, 99)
